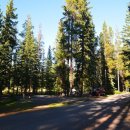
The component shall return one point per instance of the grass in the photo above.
(118, 92)
(54, 105)
(16, 105)
(13, 105)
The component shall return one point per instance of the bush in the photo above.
(117, 92)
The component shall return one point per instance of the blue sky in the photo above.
(47, 13)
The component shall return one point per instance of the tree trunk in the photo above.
(13, 90)
(118, 79)
(1, 88)
(81, 79)
(17, 91)
(1, 91)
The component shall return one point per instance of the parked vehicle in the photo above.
(98, 92)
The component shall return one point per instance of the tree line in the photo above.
(80, 60)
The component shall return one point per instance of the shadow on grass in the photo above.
(14, 104)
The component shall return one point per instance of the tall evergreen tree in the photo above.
(126, 47)
(9, 40)
(41, 61)
(1, 53)
(104, 73)
(28, 57)
(119, 62)
(79, 43)
(107, 59)
(10, 22)
(49, 74)
(61, 67)
(1, 21)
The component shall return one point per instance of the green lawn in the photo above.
(13, 105)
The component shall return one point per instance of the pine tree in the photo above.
(28, 57)
(10, 21)
(61, 67)
(105, 80)
(41, 61)
(43, 72)
(9, 41)
(107, 59)
(1, 53)
(49, 74)
(126, 47)
(68, 44)
(80, 40)
(100, 61)
(119, 62)
(1, 21)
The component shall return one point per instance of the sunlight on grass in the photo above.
(15, 106)
(118, 92)
(11, 105)
(56, 105)
(53, 105)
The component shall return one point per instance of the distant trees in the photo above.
(80, 60)
(22, 65)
